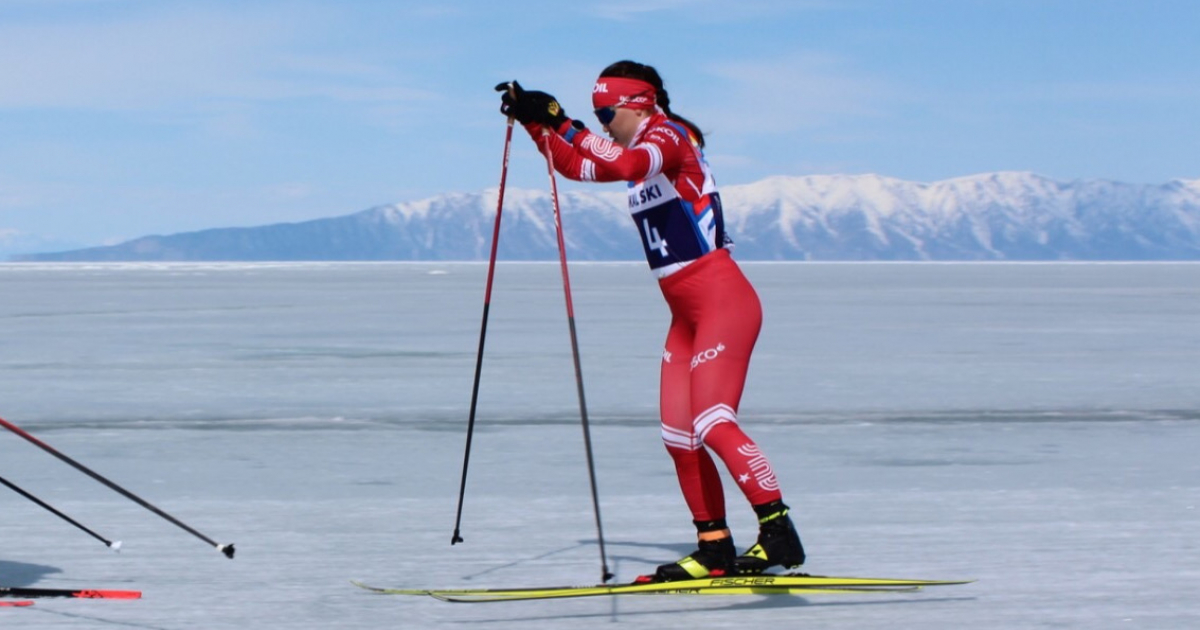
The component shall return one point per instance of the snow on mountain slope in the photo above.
(991, 216)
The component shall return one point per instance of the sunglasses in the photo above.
(606, 114)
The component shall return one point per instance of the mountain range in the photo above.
(992, 216)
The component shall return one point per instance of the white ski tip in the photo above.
(116, 546)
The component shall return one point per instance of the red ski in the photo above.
(13, 591)
(22, 602)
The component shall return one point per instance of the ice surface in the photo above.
(1030, 426)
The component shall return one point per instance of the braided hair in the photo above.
(642, 72)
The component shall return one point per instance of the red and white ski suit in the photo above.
(715, 312)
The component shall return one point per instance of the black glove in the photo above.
(530, 107)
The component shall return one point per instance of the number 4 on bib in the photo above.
(653, 240)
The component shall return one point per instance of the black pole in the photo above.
(115, 546)
(605, 574)
(224, 549)
(487, 301)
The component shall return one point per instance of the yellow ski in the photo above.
(791, 584)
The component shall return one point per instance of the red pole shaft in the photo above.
(587, 435)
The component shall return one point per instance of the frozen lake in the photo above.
(1032, 426)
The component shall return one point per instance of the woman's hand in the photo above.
(530, 106)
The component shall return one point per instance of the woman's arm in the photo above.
(590, 157)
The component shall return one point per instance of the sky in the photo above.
(122, 118)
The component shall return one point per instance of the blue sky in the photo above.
(120, 118)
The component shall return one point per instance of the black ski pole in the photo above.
(587, 434)
(115, 546)
(225, 549)
(487, 301)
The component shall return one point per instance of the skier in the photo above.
(715, 312)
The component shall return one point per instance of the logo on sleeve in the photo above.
(601, 148)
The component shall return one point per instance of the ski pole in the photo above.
(115, 546)
(587, 437)
(225, 549)
(87, 593)
(487, 301)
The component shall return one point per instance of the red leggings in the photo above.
(715, 319)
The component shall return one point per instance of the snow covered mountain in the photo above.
(994, 216)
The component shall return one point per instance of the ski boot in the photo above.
(778, 543)
(713, 558)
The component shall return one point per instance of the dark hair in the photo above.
(642, 72)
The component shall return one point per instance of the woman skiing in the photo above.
(715, 312)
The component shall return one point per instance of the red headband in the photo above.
(621, 92)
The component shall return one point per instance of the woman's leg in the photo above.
(698, 476)
(726, 332)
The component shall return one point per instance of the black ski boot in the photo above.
(778, 543)
(714, 558)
